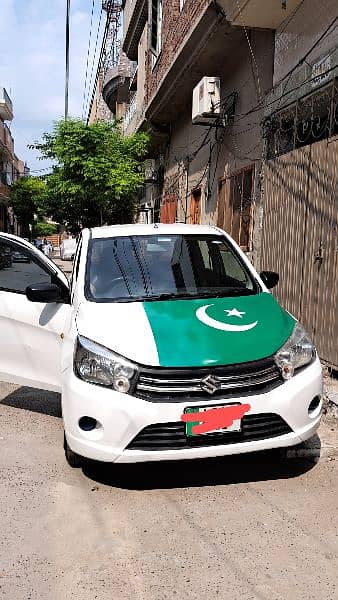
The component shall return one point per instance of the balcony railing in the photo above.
(130, 113)
(6, 106)
(133, 117)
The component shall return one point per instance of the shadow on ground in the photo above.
(258, 466)
(39, 401)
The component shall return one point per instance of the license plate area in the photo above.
(235, 427)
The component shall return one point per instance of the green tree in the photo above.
(28, 197)
(42, 229)
(97, 174)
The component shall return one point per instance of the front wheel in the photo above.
(74, 460)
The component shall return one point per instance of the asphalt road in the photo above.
(235, 528)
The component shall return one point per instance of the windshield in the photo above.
(156, 267)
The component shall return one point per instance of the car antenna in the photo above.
(155, 225)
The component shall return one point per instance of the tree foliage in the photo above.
(97, 174)
(42, 229)
(28, 197)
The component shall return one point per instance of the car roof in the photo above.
(154, 229)
(69, 241)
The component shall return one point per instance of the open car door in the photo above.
(30, 332)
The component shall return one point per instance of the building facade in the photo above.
(208, 173)
(265, 167)
(300, 176)
(11, 168)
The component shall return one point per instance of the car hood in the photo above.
(189, 333)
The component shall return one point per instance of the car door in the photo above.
(30, 332)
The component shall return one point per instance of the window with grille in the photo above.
(156, 26)
(308, 120)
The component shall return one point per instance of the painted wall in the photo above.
(241, 143)
(295, 37)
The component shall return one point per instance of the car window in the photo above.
(133, 268)
(76, 265)
(18, 269)
(232, 266)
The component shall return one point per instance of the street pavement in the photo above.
(245, 527)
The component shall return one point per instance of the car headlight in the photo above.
(297, 352)
(96, 364)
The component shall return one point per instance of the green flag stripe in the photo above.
(218, 331)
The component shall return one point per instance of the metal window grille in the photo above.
(308, 120)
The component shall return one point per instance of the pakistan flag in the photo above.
(217, 331)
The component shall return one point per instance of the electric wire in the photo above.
(94, 60)
(290, 18)
(67, 60)
(253, 57)
(100, 61)
(88, 54)
(257, 107)
(288, 76)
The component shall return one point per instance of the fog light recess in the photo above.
(314, 406)
(87, 423)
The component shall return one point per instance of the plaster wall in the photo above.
(297, 36)
(238, 146)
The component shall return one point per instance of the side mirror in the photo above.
(270, 278)
(44, 292)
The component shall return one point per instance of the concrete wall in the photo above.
(242, 142)
(295, 37)
(141, 70)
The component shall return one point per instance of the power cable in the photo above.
(100, 61)
(253, 57)
(288, 19)
(88, 53)
(67, 60)
(288, 76)
(254, 108)
(94, 59)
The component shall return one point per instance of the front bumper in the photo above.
(121, 418)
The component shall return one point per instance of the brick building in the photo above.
(202, 173)
(215, 174)
(11, 168)
(267, 171)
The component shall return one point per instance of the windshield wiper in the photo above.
(229, 292)
(233, 291)
(154, 298)
(169, 296)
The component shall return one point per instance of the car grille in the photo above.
(177, 385)
(171, 436)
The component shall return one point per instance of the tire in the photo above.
(73, 460)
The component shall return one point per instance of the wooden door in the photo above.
(195, 207)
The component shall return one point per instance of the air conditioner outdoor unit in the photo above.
(206, 101)
(150, 172)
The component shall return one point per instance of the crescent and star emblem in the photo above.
(202, 316)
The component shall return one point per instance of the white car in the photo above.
(167, 345)
(68, 249)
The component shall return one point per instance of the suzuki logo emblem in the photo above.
(211, 384)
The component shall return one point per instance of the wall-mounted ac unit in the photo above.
(206, 101)
(153, 171)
